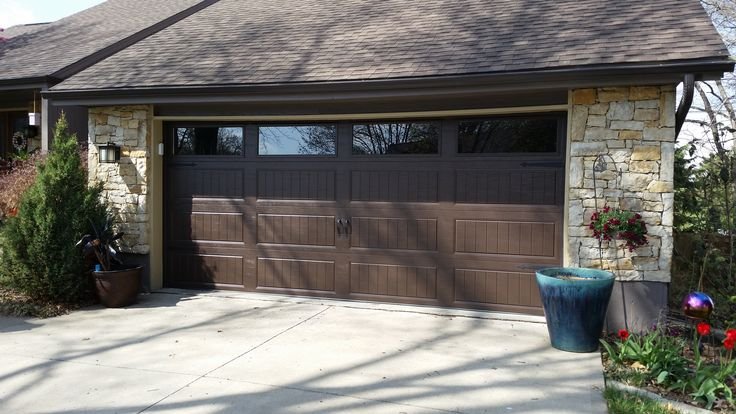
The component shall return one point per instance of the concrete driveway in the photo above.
(224, 352)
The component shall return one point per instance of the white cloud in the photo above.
(14, 13)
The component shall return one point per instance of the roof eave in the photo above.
(37, 82)
(486, 83)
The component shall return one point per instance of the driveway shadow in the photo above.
(11, 324)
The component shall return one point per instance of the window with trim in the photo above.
(396, 138)
(208, 140)
(509, 135)
(297, 140)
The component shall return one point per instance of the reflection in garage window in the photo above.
(208, 141)
(297, 140)
(508, 135)
(395, 138)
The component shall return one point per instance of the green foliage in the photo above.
(710, 382)
(657, 357)
(620, 402)
(701, 263)
(38, 245)
(705, 253)
(687, 203)
(703, 192)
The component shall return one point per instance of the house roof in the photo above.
(281, 41)
(21, 29)
(46, 50)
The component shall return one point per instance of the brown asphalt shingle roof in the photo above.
(43, 50)
(236, 42)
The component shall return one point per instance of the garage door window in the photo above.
(395, 138)
(508, 135)
(208, 141)
(297, 140)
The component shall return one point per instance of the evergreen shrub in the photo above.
(39, 257)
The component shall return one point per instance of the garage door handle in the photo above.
(549, 164)
(349, 226)
(340, 227)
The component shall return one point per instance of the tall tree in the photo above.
(710, 160)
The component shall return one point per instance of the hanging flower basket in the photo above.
(615, 224)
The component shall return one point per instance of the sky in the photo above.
(13, 12)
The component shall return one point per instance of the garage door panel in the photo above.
(496, 287)
(296, 184)
(296, 229)
(189, 183)
(505, 237)
(394, 233)
(296, 274)
(393, 280)
(524, 186)
(207, 227)
(212, 205)
(395, 186)
(462, 226)
(207, 269)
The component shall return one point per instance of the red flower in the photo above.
(623, 334)
(731, 334)
(728, 343)
(703, 328)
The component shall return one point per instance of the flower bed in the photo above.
(682, 363)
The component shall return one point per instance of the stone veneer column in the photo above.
(125, 184)
(635, 126)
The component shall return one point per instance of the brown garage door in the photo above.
(447, 212)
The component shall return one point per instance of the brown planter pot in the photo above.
(118, 288)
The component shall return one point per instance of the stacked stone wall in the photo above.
(125, 184)
(635, 129)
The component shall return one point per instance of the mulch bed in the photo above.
(16, 304)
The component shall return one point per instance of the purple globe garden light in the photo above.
(697, 305)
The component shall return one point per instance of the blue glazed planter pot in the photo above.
(575, 302)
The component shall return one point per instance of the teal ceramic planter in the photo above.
(575, 301)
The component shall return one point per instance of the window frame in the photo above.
(560, 143)
(258, 125)
(172, 127)
(438, 122)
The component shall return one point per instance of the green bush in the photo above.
(38, 245)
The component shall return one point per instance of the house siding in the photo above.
(125, 184)
(635, 128)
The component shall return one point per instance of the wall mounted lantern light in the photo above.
(109, 153)
(34, 118)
